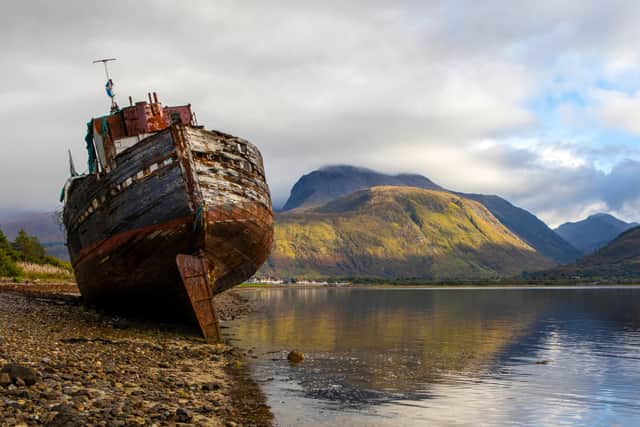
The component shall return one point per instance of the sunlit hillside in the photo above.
(398, 232)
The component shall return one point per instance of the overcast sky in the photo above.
(538, 103)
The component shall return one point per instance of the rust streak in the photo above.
(121, 238)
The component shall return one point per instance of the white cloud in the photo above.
(402, 87)
(617, 109)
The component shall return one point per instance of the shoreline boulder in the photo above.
(295, 356)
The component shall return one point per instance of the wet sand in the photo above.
(92, 368)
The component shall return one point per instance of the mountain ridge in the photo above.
(394, 232)
(338, 180)
(335, 186)
(619, 259)
(593, 232)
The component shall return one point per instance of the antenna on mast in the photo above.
(109, 86)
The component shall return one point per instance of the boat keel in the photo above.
(194, 271)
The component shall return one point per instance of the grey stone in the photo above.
(24, 373)
(210, 386)
(120, 323)
(183, 415)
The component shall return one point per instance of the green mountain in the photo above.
(398, 232)
(528, 227)
(618, 259)
(323, 185)
(594, 232)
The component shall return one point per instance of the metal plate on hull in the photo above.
(195, 277)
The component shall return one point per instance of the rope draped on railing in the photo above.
(91, 151)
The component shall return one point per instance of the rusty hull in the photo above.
(184, 190)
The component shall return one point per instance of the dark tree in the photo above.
(8, 267)
(29, 247)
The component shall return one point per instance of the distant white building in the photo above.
(270, 280)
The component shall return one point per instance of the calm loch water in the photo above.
(473, 356)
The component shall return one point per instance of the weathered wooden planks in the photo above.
(185, 191)
(194, 271)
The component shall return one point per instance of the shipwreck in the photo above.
(168, 215)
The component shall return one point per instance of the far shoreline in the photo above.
(443, 285)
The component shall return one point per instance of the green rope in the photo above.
(104, 129)
(91, 151)
(198, 217)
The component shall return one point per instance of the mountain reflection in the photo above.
(374, 346)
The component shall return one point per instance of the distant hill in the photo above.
(323, 185)
(528, 227)
(8, 214)
(398, 232)
(43, 225)
(618, 259)
(594, 232)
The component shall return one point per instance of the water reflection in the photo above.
(405, 356)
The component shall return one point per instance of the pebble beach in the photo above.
(63, 364)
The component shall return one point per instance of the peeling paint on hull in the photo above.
(184, 190)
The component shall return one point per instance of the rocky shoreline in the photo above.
(91, 368)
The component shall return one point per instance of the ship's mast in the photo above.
(109, 86)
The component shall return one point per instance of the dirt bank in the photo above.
(96, 369)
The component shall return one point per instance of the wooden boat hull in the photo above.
(184, 190)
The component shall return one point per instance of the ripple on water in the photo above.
(469, 356)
